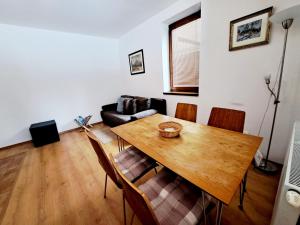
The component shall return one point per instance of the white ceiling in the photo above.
(108, 18)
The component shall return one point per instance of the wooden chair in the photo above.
(229, 119)
(186, 111)
(133, 162)
(175, 206)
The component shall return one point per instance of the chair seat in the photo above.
(133, 163)
(174, 200)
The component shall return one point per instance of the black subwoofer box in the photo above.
(44, 133)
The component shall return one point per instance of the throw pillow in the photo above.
(129, 106)
(120, 106)
(142, 104)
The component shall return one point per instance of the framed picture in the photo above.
(251, 30)
(136, 62)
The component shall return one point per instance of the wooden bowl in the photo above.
(169, 129)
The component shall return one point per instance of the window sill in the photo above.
(181, 93)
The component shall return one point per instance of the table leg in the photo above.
(242, 191)
(120, 143)
(245, 181)
(123, 144)
(219, 212)
(204, 206)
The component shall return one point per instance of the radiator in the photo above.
(283, 212)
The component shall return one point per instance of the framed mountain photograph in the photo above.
(251, 30)
(136, 62)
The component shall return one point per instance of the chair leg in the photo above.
(203, 207)
(245, 181)
(105, 185)
(124, 209)
(155, 170)
(132, 218)
(242, 191)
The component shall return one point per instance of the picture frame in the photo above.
(136, 62)
(251, 30)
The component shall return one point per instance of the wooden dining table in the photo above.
(215, 160)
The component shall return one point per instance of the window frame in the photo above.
(173, 26)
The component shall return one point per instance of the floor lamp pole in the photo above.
(268, 166)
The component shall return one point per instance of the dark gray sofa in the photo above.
(112, 118)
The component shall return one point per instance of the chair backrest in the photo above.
(186, 111)
(102, 157)
(229, 119)
(137, 200)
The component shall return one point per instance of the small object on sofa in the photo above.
(44, 133)
(139, 107)
(169, 129)
(83, 122)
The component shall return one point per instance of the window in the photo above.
(184, 52)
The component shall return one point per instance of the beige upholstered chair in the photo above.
(165, 199)
(132, 162)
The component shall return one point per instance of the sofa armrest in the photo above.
(143, 114)
(159, 104)
(110, 107)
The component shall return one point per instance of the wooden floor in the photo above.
(62, 183)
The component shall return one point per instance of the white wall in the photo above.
(227, 79)
(53, 75)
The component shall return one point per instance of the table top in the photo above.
(213, 159)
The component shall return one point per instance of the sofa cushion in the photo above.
(114, 118)
(129, 106)
(120, 102)
(142, 104)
